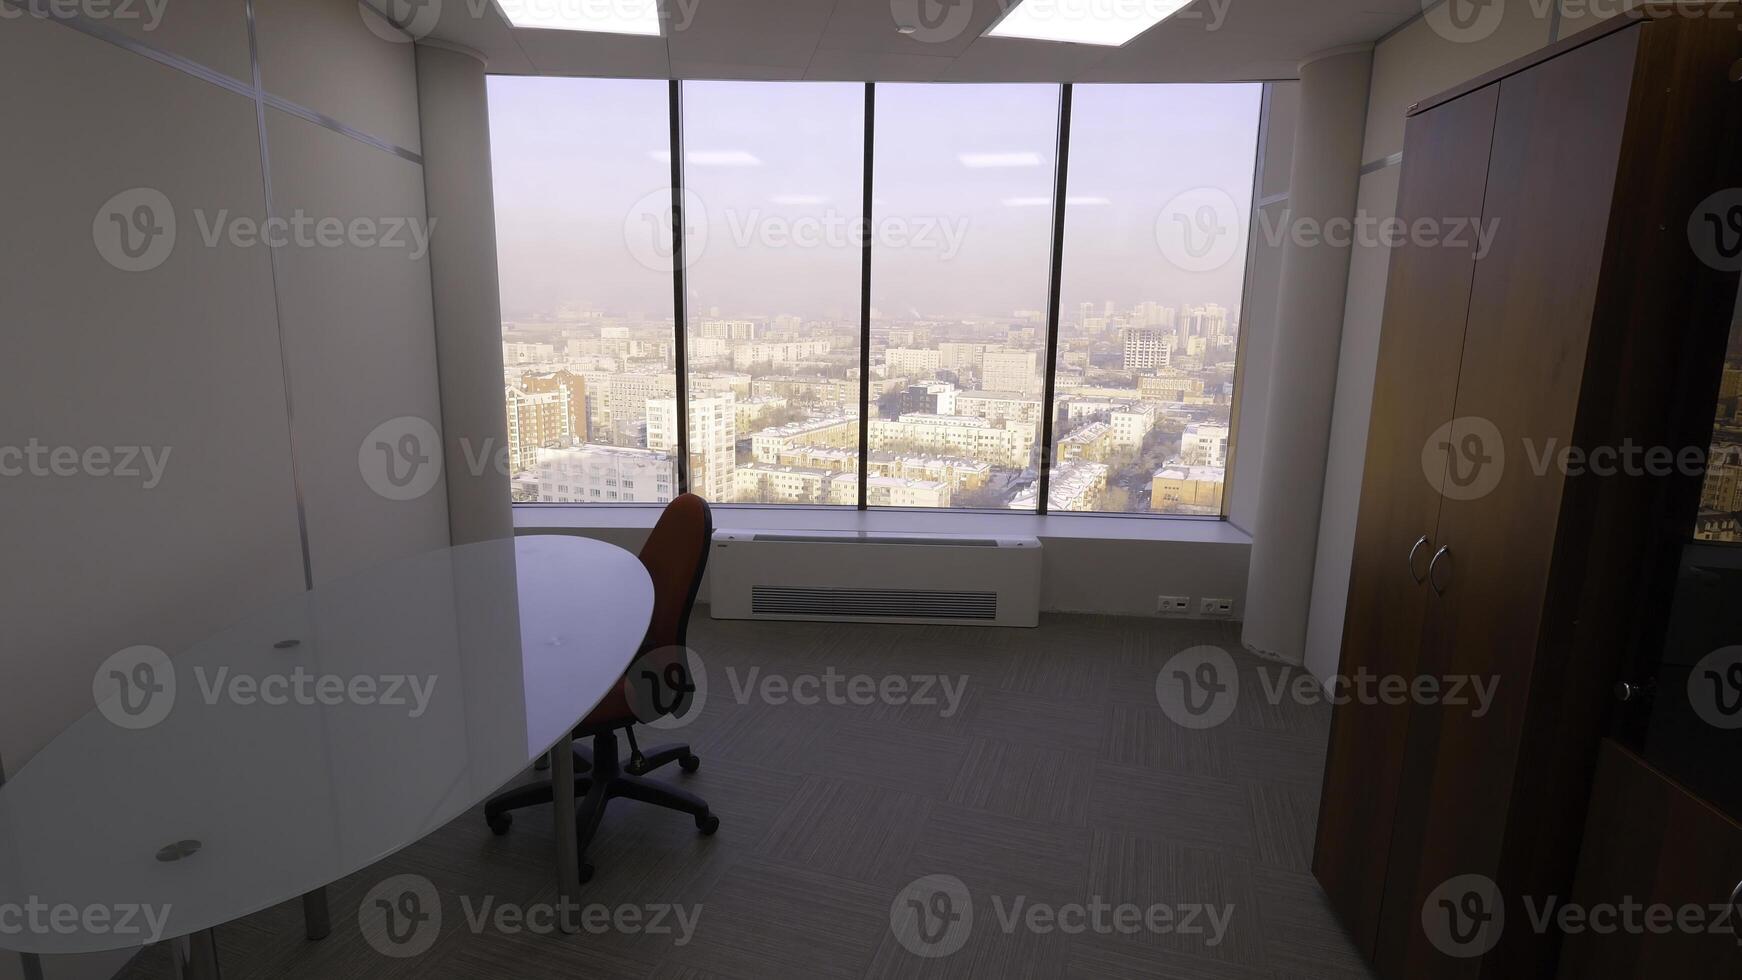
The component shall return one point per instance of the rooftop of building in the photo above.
(806, 425)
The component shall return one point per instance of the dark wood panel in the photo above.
(1551, 177)
(1649, 841)
(1651, 378)
(1429, 287)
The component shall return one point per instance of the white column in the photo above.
(1323, 181)
(454, 113)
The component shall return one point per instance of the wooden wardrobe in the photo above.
(1590, 322)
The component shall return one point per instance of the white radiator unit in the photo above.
(852, 576)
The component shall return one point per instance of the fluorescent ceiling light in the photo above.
(602, 16)
(978, 160)
(712, 158)
(1035, 202)
(799, 199)
(1110, 22)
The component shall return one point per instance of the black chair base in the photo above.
(599, 779)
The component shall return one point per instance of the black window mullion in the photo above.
(1060, 171)
(865, 303)
(680, 317)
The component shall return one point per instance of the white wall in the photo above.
(192, 357)
(1258, 313)
(1422, 59)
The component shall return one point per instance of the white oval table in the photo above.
(311, 740)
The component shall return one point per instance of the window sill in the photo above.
(537, 518)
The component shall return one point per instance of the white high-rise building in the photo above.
(1010, 370)
(1147, 348)
(713, 423)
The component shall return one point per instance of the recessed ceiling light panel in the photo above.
(601, 16)
(1106, 22)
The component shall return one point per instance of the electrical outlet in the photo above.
(1173, 605)
(1215, 607)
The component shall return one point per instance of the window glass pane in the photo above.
(582, 185)
(1157, 206)
(773, 186)
(1720, 516)
(962, 236)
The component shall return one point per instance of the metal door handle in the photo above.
(1433, 566)
(1415, 549)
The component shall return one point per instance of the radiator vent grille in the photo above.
(873, 603)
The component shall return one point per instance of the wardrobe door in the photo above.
(1652, 845)
(1445, 165)
(1551, 176)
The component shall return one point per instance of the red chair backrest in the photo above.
(675, 555)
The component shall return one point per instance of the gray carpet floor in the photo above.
(1058, 794)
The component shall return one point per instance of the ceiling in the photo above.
(856, 40)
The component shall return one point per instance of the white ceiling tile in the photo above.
(876, 66)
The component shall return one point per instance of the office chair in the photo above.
(675, 556)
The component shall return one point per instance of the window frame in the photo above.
(1061, 165)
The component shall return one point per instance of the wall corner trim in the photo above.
(1336, 52)
(432, 42)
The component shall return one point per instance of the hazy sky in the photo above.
(963, 177)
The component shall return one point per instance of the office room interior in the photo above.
(744, 489)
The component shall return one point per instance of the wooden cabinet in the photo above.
(1414, 394)
(1653, 853)
(1484, 553)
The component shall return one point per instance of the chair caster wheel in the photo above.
(499, 823)
(707, 823)
(586, 872)
(689, 763)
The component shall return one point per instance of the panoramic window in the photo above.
(962, 185)
(788, 393)
(1157, 203)
(583, 240)
(773, 183)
